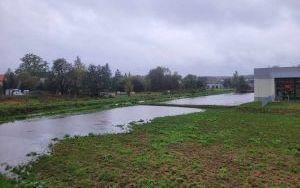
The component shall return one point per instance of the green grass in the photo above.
(217, 148)
(14, 108)
(292, 105)
(6, 183)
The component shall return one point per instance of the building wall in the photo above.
(213, 86)
(264, 88)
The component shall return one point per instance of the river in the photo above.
(228, 99)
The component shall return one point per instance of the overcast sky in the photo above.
(203, 37)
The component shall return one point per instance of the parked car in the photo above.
(17, 92)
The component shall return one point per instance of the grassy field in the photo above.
(13, 108)
(292, 105)
(6, 183)
(218, 148)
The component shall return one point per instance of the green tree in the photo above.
(61, 75)
(235, 79)
(201, 83)
(139, 83)
(78, 76)
(190, 82)
(239, 83)
(175, 83)
(242, 86)
(106, 77)
(227, 83)
(117, 81)
(193, 82)
(94, 79)
(128, 84)
(10, 81)
(27, 81)
(157, 78)
(171, 81)
(34, 65)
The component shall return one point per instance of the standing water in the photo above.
(18, 139)
(229, 99)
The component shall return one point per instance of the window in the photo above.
(287, 88)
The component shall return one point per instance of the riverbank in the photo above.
(15, 108)
(275, 106)
(220, 147)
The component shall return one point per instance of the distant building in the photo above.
(215, 86)
(277, 83)
(2, 78)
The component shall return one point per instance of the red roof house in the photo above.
(2, 77)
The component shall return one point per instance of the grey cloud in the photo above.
(196, 36)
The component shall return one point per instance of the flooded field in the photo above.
(229, 99)
(19, 139)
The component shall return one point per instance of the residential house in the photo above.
(2, 77)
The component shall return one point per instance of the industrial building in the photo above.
(277, 83)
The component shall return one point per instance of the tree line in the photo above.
(76, 78)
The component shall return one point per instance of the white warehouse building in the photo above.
(278, 83)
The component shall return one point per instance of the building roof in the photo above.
(277, 72)
(2, 77)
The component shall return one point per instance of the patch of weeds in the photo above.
(222, 173)
(163, 159)
(294, 151)
(256, 152)
(254, 140)
(212, 119)
(278, 186)
(165, 182)
(281, 164)
(76, 136)
(295, 169)
(142, 161)
(276, 141)
(106, 176)
(206, 139)
(7, 183)
(123, 150)
(91, 135)
(180, 179)
(196, 185)
(106, 158)
(66, 136)
(197, 166)
(255, 166)
(146, 183)
(228, 144)
(158, 146)
(33, 184)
